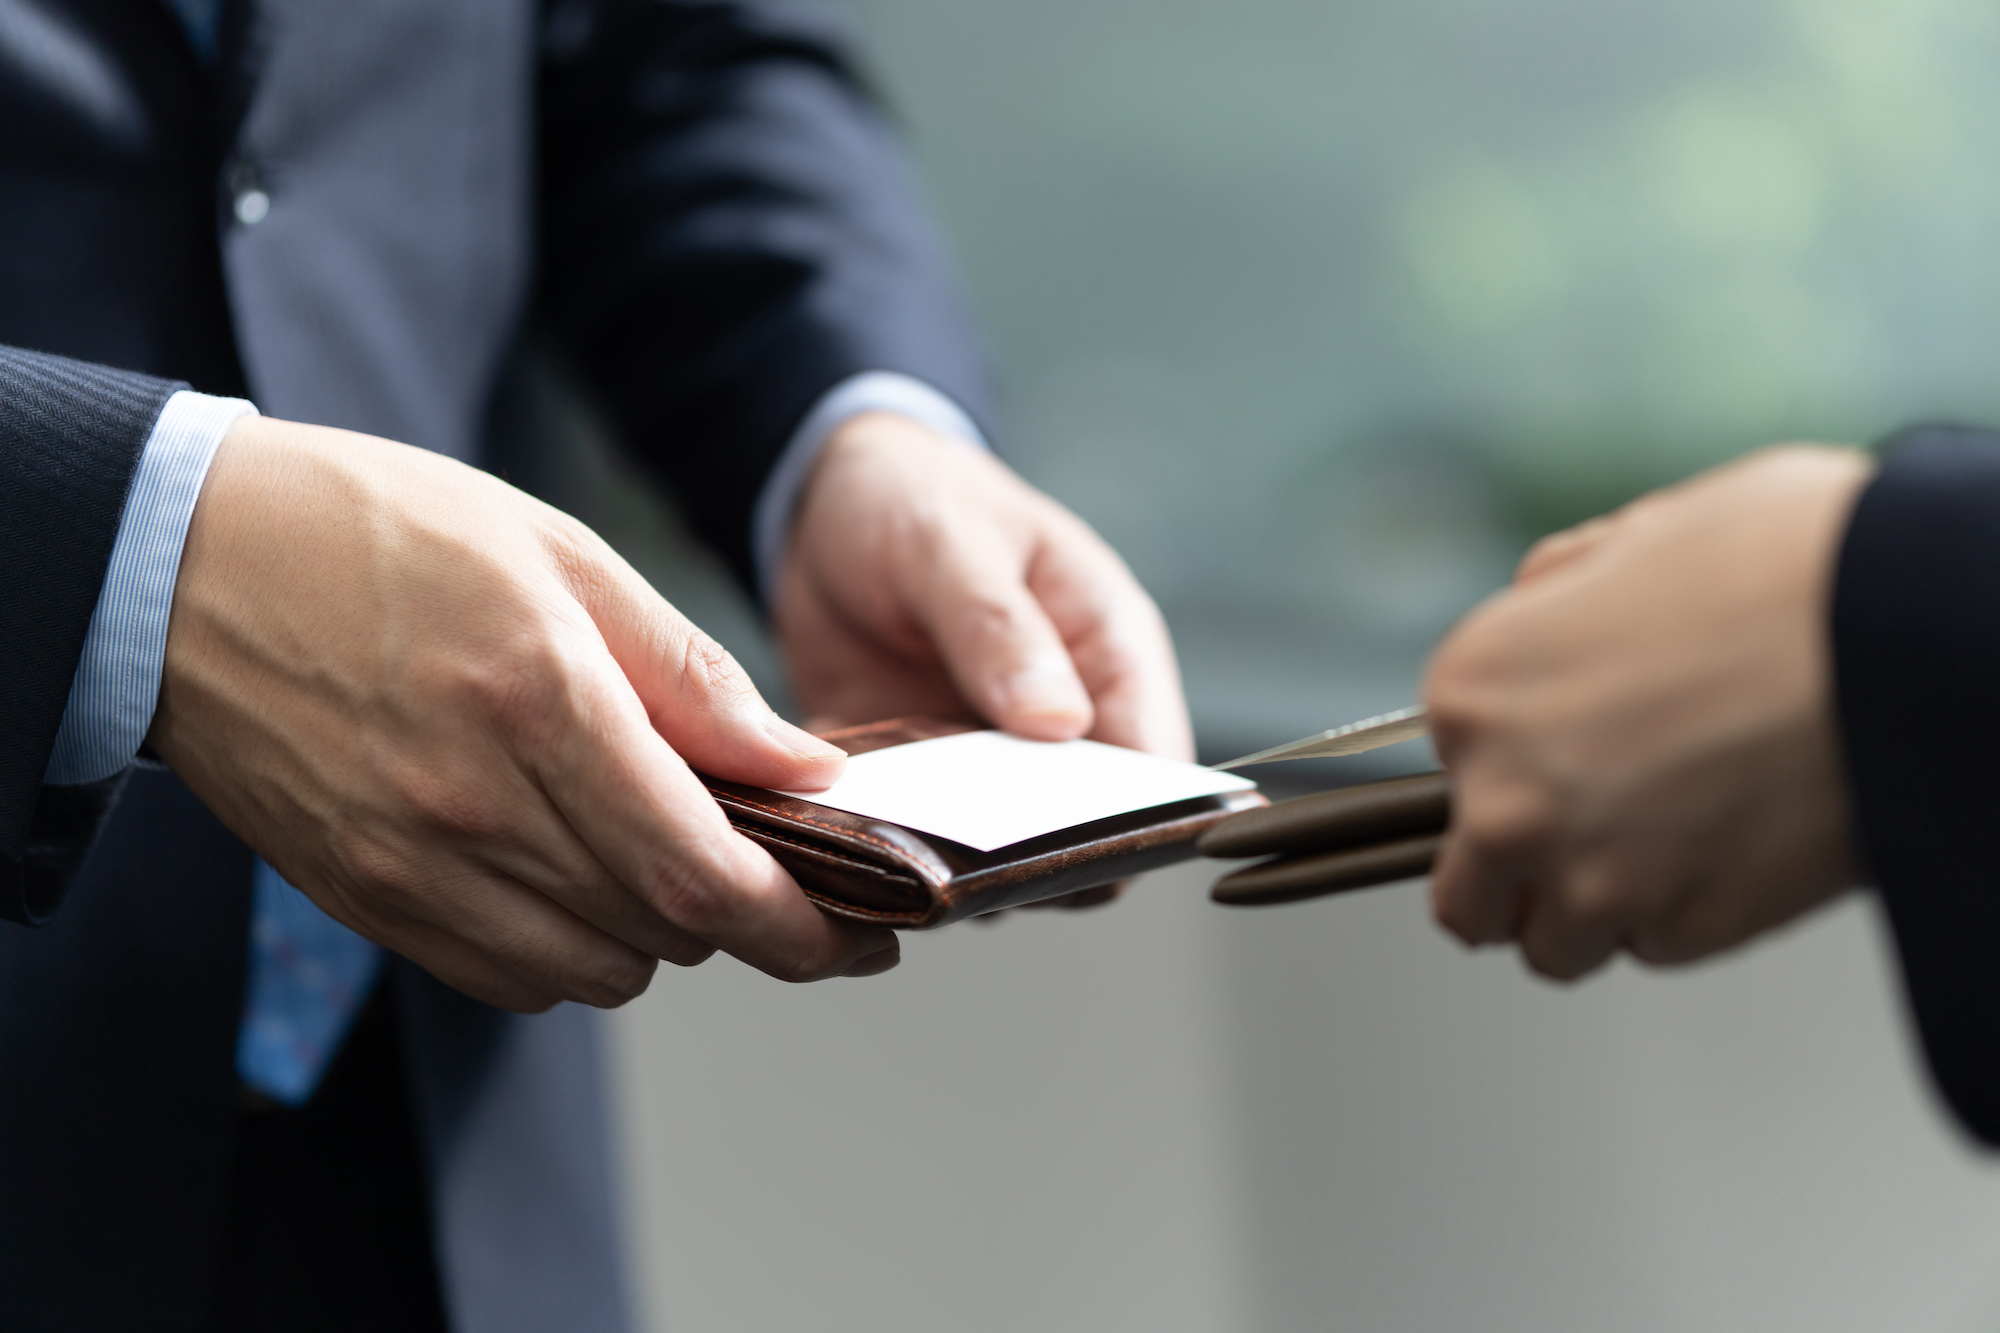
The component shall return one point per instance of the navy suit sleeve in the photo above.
(70, 439)
(1916, 635)
(729, 229)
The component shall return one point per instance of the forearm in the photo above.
(731, 231)
(71, 435)
(877, 391)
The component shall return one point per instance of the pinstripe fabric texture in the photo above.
(118, 675)
(70, 438)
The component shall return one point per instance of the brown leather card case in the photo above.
(1333, 841)
(885, 874)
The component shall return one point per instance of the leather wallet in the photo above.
(868, 870)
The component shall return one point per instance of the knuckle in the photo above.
(1547, 546)
(1468, 896)
(1457, 719)
(526, 953)
(377, 868)
(709, 672)
(982, 615)
(583, 560)
(608, 977)
(679, 891)
(1475, 659)
(627, 980)
(1509, 829)
(1596, 904)
(576, 540)
(705, 908)
(518, 689)
(1448, 678)
(450, 804)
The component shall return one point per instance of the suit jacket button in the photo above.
(251, 206)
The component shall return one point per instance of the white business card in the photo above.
(989, 790)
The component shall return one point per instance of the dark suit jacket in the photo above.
(1916, 632)
(700, 203)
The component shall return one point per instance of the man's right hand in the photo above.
(463, 726)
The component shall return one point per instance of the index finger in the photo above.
(655, 827)
(1117, 639)
(1476, 895)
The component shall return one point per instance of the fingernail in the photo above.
(1044, 690)
(800, 741)
(875, 964)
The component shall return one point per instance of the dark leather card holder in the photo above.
(884, 874)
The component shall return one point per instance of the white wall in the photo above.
(1166, 1116)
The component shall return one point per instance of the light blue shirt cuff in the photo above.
(875, 391)
(118, 677)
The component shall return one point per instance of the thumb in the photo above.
(1002, 649)
(697, 696)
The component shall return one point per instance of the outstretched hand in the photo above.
(463, 726)
(1640, 732)
(925, 577)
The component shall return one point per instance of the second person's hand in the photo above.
(1640, 732)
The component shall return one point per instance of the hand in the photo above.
(1640, 732)
(924, 577)
(462, 725)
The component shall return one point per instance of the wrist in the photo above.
(115, 690)
(872, 393)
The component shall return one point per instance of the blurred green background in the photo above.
(1322, 309)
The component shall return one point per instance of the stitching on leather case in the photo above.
(849, 909)
(776, 813)
(907, 916)
(765, 835)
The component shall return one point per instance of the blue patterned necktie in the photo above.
(308, 978)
